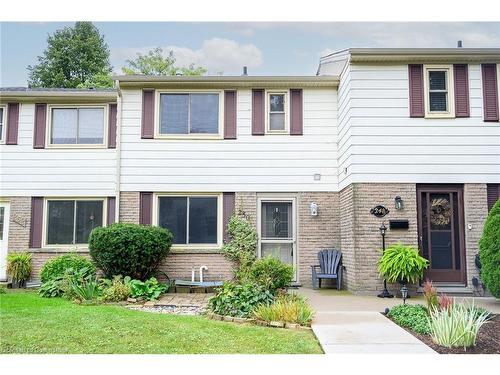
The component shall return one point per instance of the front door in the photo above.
(441, 232)
(4, 238)
(278, 229)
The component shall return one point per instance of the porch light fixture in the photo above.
(398, 203)
(385, 293)
(313, 209)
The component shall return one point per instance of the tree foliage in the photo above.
(157, 64)
(489, 251)
(74, 57)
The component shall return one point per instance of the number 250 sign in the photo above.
(379, 211)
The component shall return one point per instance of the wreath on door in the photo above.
(441, 211)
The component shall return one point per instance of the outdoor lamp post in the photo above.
(404, 293)
(385, 293)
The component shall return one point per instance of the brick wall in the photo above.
(179, 265)
(129, 207)
(475, 213)
(19, 223)
(347, 239)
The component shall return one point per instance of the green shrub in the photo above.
(150, 289)
(52, 288)
(129, 249)
(82, 288)
(289, 308)
(58, 266)
(271, 273)
(402, 263)
(414, 317)
(233, 299)
(58, 285)
(19, 266)
(457, 326)
(3, 289)
(116, 290)
(242, 247)
(489, 251)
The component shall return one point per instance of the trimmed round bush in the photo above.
(57, 267)
(129, 249)
(271, 273)
(489, 251)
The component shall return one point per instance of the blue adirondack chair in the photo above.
(329, 267)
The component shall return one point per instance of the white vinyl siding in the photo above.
(248, 163)
(25, 171)
(379, 142)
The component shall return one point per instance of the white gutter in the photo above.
(118, 149)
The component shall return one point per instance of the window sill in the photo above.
(77, 146)
(439, 115)
(195, 250)
(188, 137)
(59, 250)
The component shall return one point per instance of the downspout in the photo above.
(118, 148)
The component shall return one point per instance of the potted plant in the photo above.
(403, 264)
(19, 268)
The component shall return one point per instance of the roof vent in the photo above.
(245, 71)
(459, 44)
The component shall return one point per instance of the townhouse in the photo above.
(307, 159)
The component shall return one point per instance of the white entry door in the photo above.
(4, 238)
(278, 230)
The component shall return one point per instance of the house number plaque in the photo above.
(379, 211)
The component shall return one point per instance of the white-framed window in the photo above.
(77, 125)
(439, 91)
(69, 221)
(3, 121)
(189, 114)
(195, 220)
(277, 112)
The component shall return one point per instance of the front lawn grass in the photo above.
(32, 324)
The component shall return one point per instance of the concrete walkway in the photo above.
(353, 324)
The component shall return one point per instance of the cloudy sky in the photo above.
(266, 48)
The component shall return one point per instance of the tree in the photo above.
(75, 57)
(489, 251)
(156, 64)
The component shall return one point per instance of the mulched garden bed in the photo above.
(488, 340)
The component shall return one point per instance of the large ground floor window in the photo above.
(192, 219)
(70, 221)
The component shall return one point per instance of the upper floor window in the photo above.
(277, 114)
(2, 123)
(70, 222)
(193, 113)
(439, 93)
(77, 126)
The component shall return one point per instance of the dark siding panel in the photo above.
(111, 210)
(36, 222)
(148, 110)
(461, 77)
(228, 210)
(258, 112)
(493, 194)
(112, 126)
(229, 114)
(12, 123)
(296, 112)
(146, 209)
(416, 81)
(40, 125)
(490, 92)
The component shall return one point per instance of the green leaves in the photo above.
(157, 64)
(402, 263)
(149, 290)
(19, 266)
(74, 56)
(271, 273)
(489, 251)
(411, 316)
(57, 266)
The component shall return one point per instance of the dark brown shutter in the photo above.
(146, 209)
(229, 114)
(40, 125)
(416, 81)
(148, 109)
(461, 77)
(493, 194)
(112, 126)
(12, 123)
(296, 112)
(490, 92)
(258, 115)
(228, 200)
(36, 222)
(111, 210)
